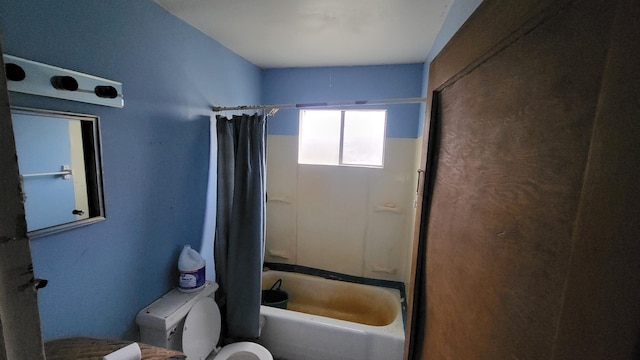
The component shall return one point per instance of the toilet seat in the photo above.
(243, 351)
(201, 330)
(201, 333)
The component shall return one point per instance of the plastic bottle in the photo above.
(191, 266)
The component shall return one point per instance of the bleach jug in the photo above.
(191, 266)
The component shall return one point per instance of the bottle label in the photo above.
(192, 279)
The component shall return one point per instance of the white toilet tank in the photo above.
(162, 322)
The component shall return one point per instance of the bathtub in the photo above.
(330, 319)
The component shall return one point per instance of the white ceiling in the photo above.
(310, 33)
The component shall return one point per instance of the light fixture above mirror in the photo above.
(35, 78)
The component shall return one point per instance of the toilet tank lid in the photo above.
(172, 307)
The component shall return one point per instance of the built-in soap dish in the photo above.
(389, 207)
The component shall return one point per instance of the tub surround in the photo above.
(351, 220)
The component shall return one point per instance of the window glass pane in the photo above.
(319, 137)
(364, 137)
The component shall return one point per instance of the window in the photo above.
(342, 137)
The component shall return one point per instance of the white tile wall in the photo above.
(357, 221)
(332, 217)
(282, 194)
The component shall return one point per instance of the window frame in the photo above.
(341, 138)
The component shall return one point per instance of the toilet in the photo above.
(191, 323)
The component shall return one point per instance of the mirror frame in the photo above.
(90, 127)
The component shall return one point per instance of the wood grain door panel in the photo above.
(514, 141)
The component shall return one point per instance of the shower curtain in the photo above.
(240, 223)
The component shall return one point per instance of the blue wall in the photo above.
(309, 85)
(155, 149)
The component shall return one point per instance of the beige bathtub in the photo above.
(329, 319)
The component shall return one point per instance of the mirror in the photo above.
(60, 169)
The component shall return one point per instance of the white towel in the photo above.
(129, 352)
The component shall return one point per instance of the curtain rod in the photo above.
(322, 104)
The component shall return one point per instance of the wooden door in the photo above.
(521, 135)
(20, 336)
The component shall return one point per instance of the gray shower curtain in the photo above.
(240, 223)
